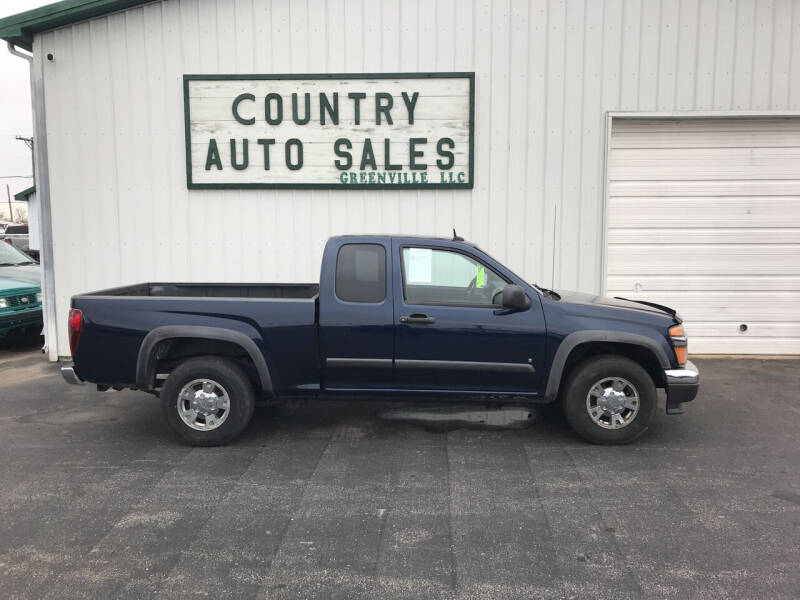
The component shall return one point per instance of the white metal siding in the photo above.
(704, 216)
(546, 73)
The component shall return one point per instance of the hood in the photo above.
(30, 275)
(641, 305)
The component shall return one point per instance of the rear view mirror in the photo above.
(515, 298)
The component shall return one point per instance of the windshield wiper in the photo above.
(550, 293)
(545, 292)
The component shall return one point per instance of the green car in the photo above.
(20, 292)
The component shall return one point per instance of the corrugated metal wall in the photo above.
(546, 72)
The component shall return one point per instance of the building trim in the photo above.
(23, 195)
(20, 28)
(604, 215)
(704, 114)
(41, 177)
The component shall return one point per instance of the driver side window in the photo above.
(437, 276)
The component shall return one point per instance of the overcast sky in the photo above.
(15, 107)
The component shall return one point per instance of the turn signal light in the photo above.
(75, 322)
(679, 343)
(681, 354)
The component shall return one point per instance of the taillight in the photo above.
(679, 343)
(75, 329)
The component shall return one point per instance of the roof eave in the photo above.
(18, 38)
(19, 29)
(24, 194)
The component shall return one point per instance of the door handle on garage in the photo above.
(417, 319)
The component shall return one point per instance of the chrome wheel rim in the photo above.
(612, 402)
(203, 404)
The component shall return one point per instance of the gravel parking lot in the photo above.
(327, 500)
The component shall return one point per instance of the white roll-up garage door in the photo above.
(704, 216)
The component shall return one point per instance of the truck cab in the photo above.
(393, 317)
(422, 316)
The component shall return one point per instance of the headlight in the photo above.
(3, 303)
(39, 297)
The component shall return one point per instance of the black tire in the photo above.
(231, 377)
(583, 378)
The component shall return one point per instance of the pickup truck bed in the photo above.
(125, 324)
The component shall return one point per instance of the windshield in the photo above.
(10, 256)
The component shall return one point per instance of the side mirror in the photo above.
(515, 298)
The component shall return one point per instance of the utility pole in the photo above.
(10, 210)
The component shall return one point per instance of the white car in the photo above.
(17, 236)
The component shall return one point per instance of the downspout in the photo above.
(42, 183)
(13, 49)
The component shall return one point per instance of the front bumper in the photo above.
(682, 386)
(20, 319)
(70, 376)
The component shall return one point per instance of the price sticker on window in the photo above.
(480, 277)
(420, 265)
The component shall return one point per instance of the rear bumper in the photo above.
(682, 386)
(70, 376)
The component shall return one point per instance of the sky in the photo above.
(15, 110)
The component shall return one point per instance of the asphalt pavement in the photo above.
(329, 500)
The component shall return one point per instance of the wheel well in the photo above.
(168, 354)
(638, 354)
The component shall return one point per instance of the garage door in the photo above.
(704, 216)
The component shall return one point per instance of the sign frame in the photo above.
(470, 75)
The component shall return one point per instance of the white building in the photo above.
(34, 227)
(631, 147)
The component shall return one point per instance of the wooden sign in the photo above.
(399, 130)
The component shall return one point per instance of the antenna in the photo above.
(456, 237)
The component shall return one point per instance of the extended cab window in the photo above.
(435, 276)
(361, 273)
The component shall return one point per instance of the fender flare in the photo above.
(569, 343)
(145, 363)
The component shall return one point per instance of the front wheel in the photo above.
(207, 401)
(609, 400)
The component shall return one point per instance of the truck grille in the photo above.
(22, 301)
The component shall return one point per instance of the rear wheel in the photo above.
(207, 401)
(609, 400)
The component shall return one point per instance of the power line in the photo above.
(16, 176)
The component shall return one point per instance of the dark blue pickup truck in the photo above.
(392, 318)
